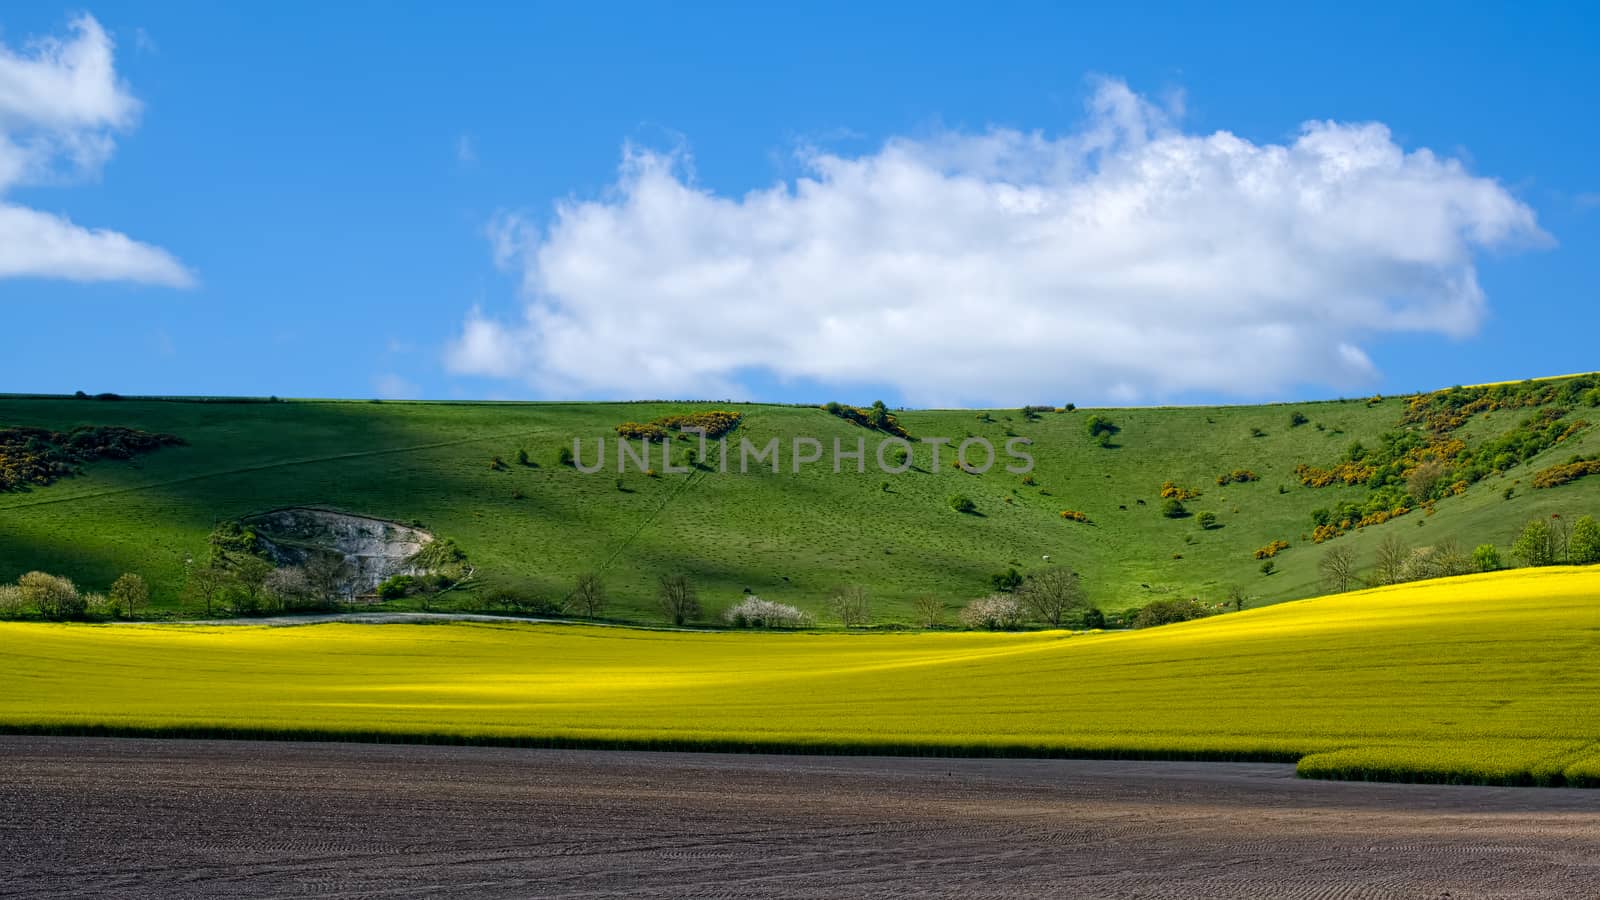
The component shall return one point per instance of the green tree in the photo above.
(1174, 509)
(249, 583)
(1208, 520)
(961, 503)
(1583, 548)
(128, 593)
(206, 584)
(1535, 546)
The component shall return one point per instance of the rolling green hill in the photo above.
(787, 537)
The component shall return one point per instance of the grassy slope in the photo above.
(787, 537)
(1485, 678)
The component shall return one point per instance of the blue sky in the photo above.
(368, 201)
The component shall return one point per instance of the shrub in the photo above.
(1297, 419)
(1268, 567)
(1257, 432)
(1006, 582)
(55, 598)
(1486, 558)
(497, 464)
(12, 604)
(1166, 612)
(1208, 520)
(522, 458)
(1583, 548)
(1073, 515)
(754, 612)
(98, 607)
(1562, 473)
(1238, 475)
(997, 612)
(1272, 549)
(564, 456)
(961, 503)
(396, 587)
(1174, 509)
(1093, 618)
(1170, 490)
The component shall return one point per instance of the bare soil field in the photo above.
(92, 817)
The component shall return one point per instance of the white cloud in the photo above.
(1128, 260)
(391, 386)
(61, 102)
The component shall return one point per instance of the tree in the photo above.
(1268, 567)
(589, 595)
(1584, 547)
(1052, 594)
(1098, 425)
(289, 586)
(1238, 598)
(206, 584)
(997, 612)
(1392, 555)
(55, 597)
(678, 599)
(1486, 558)
(1424, 479)
(1535, 546)
(929, 611)
(1208, 520)
(522, 457)
(128, 593)
(249, 583)
(1449, 560)
(851, 604)
(1338, 568)
(961, 503)
(1173, 509)
(328, 575)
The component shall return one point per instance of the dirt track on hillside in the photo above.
(91, 817)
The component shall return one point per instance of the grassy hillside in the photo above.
(1486, 678)
(787, 537)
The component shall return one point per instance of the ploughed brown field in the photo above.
(103, 817)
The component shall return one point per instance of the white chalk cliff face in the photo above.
(375, 548)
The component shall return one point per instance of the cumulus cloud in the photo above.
(61, 104)
(1128, 260)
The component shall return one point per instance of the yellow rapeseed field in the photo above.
(1491, 678)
